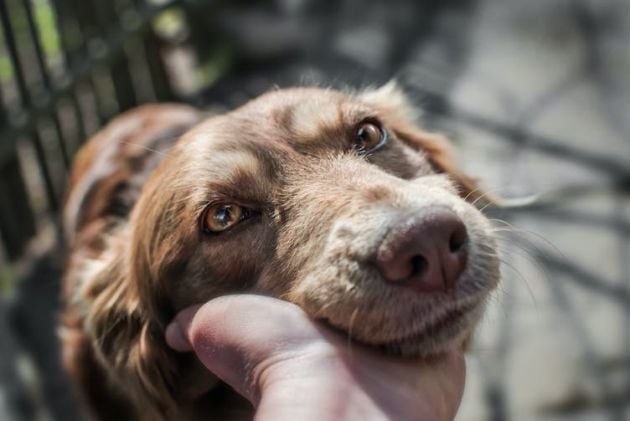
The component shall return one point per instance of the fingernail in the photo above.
(176, 339)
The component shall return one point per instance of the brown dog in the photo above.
(333, 201)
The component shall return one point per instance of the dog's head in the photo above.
(336, 202)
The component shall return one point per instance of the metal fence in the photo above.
(66, 67)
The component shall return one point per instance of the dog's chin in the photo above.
(445, 333)
(448, 332)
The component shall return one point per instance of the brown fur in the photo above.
(323, 210)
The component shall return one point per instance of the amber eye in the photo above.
(221, 217)
(370, 136)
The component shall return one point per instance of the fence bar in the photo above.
(79, 118)
(119, 71)
(49, 185)
(62, 21)
(159, 77)
(39, 53)
(16, 63)
(17, 223)
(123, 84)
(80, 58)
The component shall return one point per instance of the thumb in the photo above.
(238, 337)
(176, 332)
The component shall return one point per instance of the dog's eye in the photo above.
(370, 136)
(221, 217)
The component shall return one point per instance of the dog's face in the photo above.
(335, 202)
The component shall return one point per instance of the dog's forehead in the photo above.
(282, 101)
(304, 119)
(274, 132)
(303, 116)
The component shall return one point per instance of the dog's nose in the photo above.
(428, 253)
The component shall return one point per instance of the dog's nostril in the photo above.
(419, 265)
(458, 239)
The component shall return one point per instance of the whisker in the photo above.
(495, 299)
(501, 221)
(483, 195)
(520, 244)
(539, 236)
(470, 193)
(353, 317)
(542, 238)
(520, 275)
(501, 202)
(531, 244)
(508, 227)
(485, 207)
(520, 250)
(143, 147)
(517, 248)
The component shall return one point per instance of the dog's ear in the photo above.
(440, 154)
(401, 116)
(127, 339)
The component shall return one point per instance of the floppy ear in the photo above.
(128, 341)
(401, 114)
(440, 154)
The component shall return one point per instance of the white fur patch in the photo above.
(391, 97)
(309, 118)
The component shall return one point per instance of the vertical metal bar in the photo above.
(91, 17)
(39, 53)
(3, 113)
(121, 69)
(61, 12)
(159, 77)
(13, 184)
(104, 13)
(63, 26)
(17, 222)
(16, 393)
(78, 116)
(79, 10)
(123, 83)
(68, 59)
(84, 12)
(40, 155)
(16, 63)
(6, 217)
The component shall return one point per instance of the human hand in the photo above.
(292, 368)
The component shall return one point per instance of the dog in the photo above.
(337, 202)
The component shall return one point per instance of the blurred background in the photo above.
(536, 94)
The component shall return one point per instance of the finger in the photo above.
(175, 333)
(234, 336)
